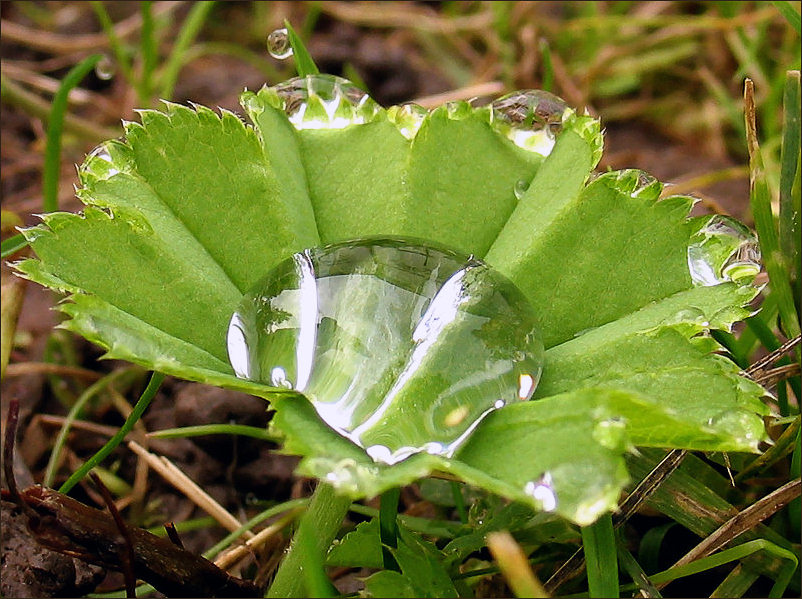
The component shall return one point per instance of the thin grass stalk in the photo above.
(214, 429)
(731, 555)
(388, 526)
(598, 540)
(141, 405)
(148, 49)
(189, 31)
(120, 57)
(75, 411)
(55, 126)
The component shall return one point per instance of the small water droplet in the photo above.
(105, 68)
(324, 102)
(740, 423)
(521, 185)
(723, 250)
(401, 348)
(611, 433)
(106, 160)
(407, 118)
(531, 119)
(278, 44)
(542, 491)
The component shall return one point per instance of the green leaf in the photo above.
(360, 548)
(422, 573)
(194, 208)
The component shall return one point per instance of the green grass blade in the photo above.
(787, 10)
(633, 568)
(55, 127)
(303, 60)
(12, 245)
(790, 195)
(144, 401)
(598, 540)
(760, 199)
(292, 504)
(72, 415)
(148, 49)
(120, 57)
(189, 30)
(737, 582)
(735, 554)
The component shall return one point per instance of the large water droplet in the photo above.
(723, 250)
(407, 118)
(278, 44)
(542, 491)
(324, 102)
(402, 348)
(531, 119)
(105, 68)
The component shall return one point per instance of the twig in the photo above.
(127, 551)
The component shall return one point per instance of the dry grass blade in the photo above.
(172, 474)
(26, 368)
(772, 357)
(489, 88)
(399, 14)
(62, 43)
(513, 564)
(743, 521)
(235, 554)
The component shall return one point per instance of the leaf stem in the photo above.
(325, 514)
(598, 539)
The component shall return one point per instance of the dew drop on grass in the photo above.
(105, 68)
(325, 102)
(402, 348)
(531, 119)
(278, 44)
(723, 250)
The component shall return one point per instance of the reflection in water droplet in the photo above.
(278, 44)
(407, 118)
(106, 160)
(611, 433)
(723, 250)
(402, 348)
(105, 68)
(531, 119)
(324, 102)
(543, 492)
(520, 188)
